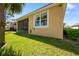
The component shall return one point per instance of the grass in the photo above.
(9, 52)
(31, 45)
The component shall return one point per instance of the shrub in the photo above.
(73, 34)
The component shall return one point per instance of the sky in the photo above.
(71, 14)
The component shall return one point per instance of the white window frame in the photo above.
(40, 22)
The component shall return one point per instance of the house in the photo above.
(46, 21)
(75, 26)
(10, 25)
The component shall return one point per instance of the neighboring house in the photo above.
(67, 26)
(10, 25)
(7, 27)
(46, 21)
(75, 26)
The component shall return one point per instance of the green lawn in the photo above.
(37, 45)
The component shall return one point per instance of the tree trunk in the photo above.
(2, 25)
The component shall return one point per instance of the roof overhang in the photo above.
(75, 25)
(38, 10)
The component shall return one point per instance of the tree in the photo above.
(7, 9)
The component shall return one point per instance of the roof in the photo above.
(42, 8)
(75, 25)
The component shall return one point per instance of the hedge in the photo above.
(73, 34)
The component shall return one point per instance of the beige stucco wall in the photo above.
(55, 27)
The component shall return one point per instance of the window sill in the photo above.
(41, 27)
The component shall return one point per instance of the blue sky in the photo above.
(71, 15)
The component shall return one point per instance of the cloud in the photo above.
(70, 6)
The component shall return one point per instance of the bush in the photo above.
(73, 34)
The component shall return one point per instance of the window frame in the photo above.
(37, 20)
(41, 26)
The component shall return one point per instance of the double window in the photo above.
(41, 20)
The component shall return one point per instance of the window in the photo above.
(37, 21)
(41, 20)
(44, 19)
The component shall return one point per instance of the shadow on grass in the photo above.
(55, 42)
(9, 52)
